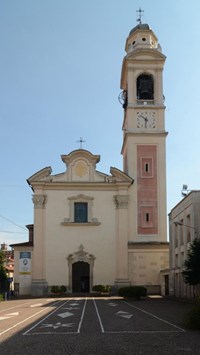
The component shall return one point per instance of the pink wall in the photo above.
(147, 200)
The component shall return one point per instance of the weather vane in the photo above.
(140, 14)
(81, 141)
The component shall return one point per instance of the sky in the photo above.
(60, 67)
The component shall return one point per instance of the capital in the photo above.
(39, 201)
(121, 201)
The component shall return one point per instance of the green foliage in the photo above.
(191, 271)
(135, 292)
(101, 288)
(58, 289)
(193, 317)
(1, 297)
(55, 289)
(63, 289)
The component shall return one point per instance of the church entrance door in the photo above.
(80, 277)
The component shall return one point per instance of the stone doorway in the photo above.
(81, 270)
(81, 277)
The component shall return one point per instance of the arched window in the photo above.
(145, 87)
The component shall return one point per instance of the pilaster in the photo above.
(121, 203)
(39, 285)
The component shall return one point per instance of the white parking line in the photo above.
(178, 329)
(58, 324)
(16, 306)
(99, 318)
(24, 320)
(80, 323)
(55, 310)
(152, 315)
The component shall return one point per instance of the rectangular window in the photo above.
(146, 167)
(80, 212)
(147, 217)
(181, 232)
(188, 229)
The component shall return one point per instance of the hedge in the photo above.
(135, 292)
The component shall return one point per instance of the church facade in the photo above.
(92, 228)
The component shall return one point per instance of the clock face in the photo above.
(146, 119)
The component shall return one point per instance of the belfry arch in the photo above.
(145, 87)
(81, 270)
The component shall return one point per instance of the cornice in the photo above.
(142, 134)
(65, 185)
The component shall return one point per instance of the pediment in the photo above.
(120, 176)
(41, 175)
(80, 168)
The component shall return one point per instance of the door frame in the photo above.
(81, 255)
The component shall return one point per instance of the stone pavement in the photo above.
(96, 326)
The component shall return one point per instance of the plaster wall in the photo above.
(144, 265)
(63, 240)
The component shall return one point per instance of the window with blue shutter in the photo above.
(80, 212)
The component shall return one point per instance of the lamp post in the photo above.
(177, 223)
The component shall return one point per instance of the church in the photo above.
(92, 228)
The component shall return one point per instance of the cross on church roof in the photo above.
(139, 19)
(81, 141)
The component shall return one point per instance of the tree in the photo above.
(191, 271)
(3, 276)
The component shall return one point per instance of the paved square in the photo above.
(95, 326)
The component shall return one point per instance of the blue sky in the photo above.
(60, 66)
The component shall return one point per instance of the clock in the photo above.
(146, 119)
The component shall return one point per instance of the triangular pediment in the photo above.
(120, 176)
(41, 175)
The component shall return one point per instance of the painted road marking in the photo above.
(65, 315)
(36, 305)
(127, 316)
(98, 316)
(2, 318)
(123, 314)
(57, 325)
(13, 314)
(9, 315)
(24, 320)
(74, 304)
(55, 310)
(16, 306)
(112, 304)
(152, 315)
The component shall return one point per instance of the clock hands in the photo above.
(146, 119)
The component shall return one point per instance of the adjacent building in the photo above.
(96, 228)
(184, 226)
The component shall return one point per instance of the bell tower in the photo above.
(144, 132)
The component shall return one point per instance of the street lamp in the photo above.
(177, 223)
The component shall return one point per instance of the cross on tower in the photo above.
(140, 11)
(81, 141)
